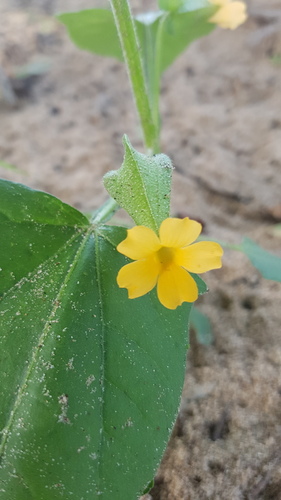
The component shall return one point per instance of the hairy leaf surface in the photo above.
(142, 186)
(90, 381)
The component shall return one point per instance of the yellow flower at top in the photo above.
(230, 15)
(166, 261)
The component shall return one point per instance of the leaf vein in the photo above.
(43, 335)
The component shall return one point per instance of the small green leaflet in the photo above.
(142, 186)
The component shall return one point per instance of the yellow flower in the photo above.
(230, 15)
(165, 260)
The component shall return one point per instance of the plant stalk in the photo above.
(131, 52)
(105, 212)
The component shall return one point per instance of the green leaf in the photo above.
(176, 31)
(148, 487)
(93, 30)
(202, 326)
(190, 5)
(268, 264)
(90, 380)
(142, 186)
(202, 287)
(180, 30)
(28, 219)
(170, 4)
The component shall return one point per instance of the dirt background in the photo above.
(221, 105)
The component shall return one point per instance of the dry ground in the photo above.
(221, 115)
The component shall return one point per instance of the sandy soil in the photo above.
(221, 106)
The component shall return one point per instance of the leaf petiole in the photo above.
(105, 212)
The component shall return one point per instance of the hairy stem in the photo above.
(105, 212)
(132, 56)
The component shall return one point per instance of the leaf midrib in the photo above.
(135, 162)
(102, 346)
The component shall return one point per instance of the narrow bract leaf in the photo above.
(90, 380)
(268, 264)
(142, 186)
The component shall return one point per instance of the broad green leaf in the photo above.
(90, 380)
(142, 186)
(268, 264)
(93, 30)
(29, 235)
(202, 326)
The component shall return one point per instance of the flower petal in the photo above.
(230, 15)
(176, 286)
(200, 257)
(139, 277)
(140, 242)
(179, 232)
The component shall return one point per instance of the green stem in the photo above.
(105, 212)
(131, 53)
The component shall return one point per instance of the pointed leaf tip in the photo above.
(142, 186)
